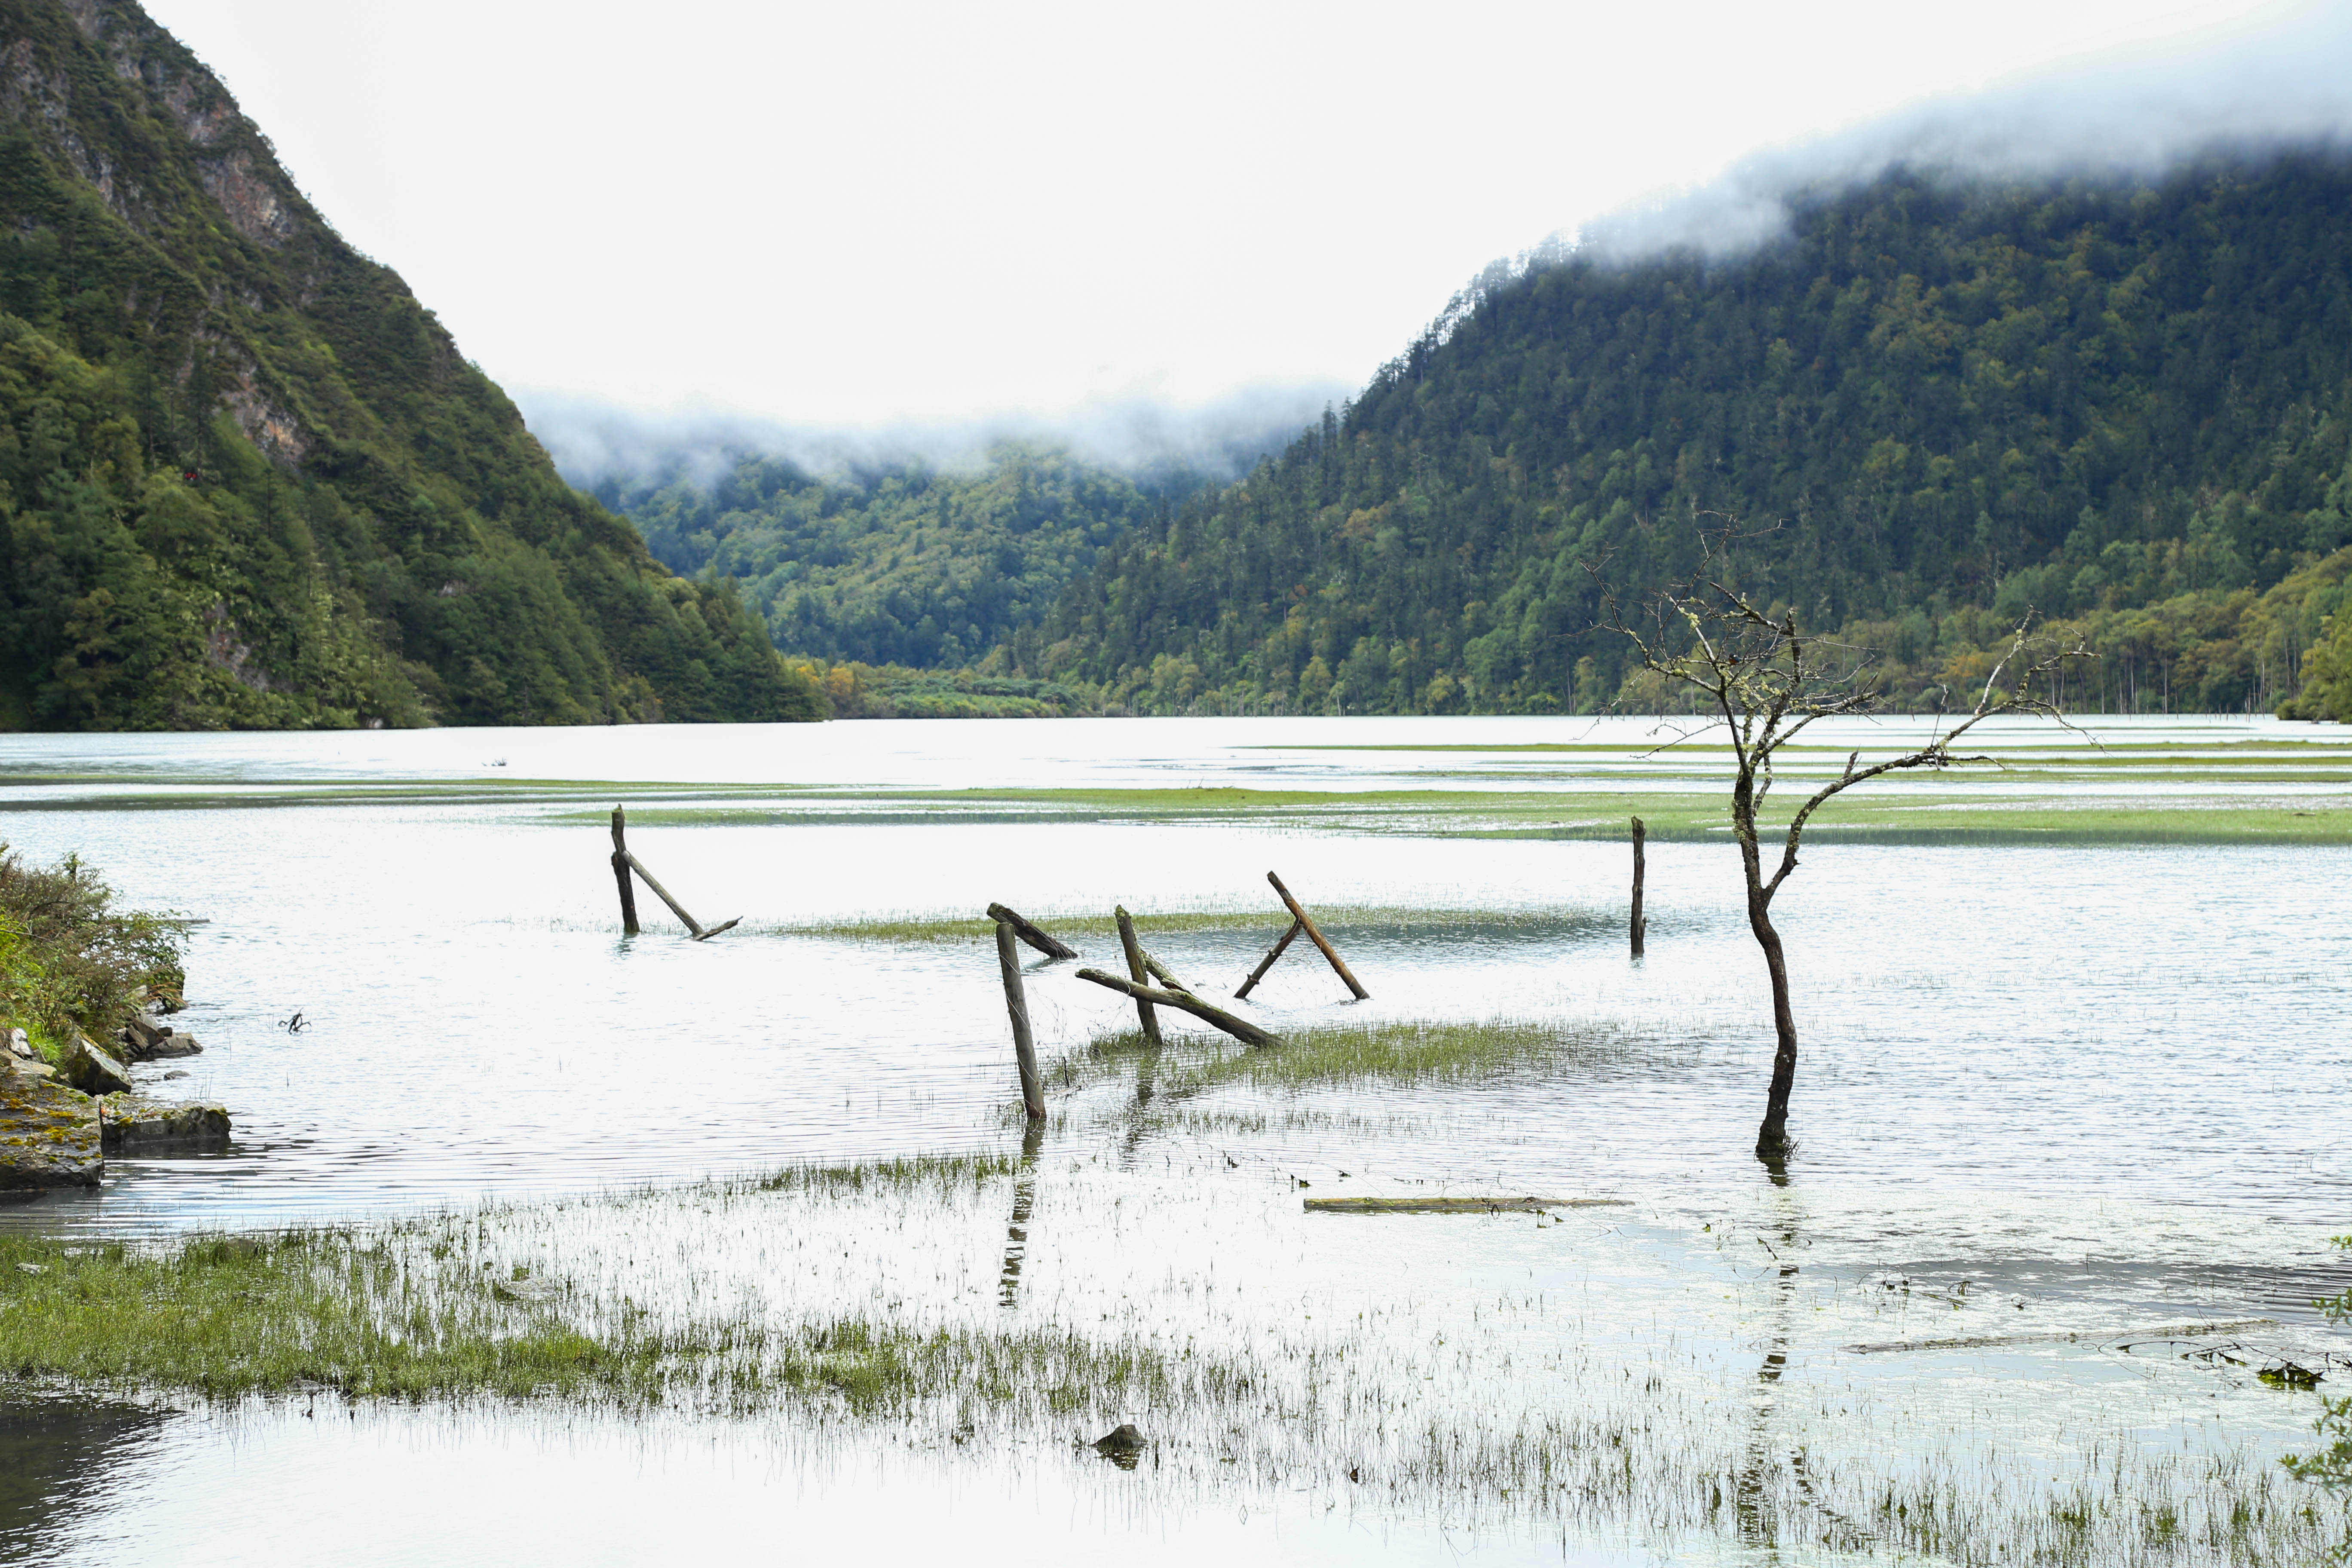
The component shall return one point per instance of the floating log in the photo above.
(1339, 965)
(1025, 1049)
(701, 933)
(1641, 926)
(2093, 1336)
(1456, 1206)
(1185, 1002)
(1266, 963)
(1051, 947)
(1135, 972)
(621, 873)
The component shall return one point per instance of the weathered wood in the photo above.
(674, 907)
(1266, 963)
(1640, 925)
(714, 930)
(1166, 976)
(1185, 1002)
(1456, 1206)
(621, 873)
(1135, 972)
(1339, 965)
(2077, 1336)
(1025, 1049)
(1052, 947)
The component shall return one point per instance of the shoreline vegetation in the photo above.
(590, 1304)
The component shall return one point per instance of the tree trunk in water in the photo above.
(1772, 1137)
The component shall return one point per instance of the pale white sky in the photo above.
(848, 216)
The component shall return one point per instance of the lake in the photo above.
(2062, 1089)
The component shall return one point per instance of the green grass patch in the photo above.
(1356, 919)
(1400, 1053)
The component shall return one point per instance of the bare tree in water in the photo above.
(1766, 681)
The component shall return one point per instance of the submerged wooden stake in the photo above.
(1166, 976)
(1266, 963)
(1025, 1049)
(1339, 965)
(1640, 925)
(1052, 947)
(1135, 972)
(1185, 1002)
(621, 873)
(701, 933)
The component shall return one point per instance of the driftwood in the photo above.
(1135, 972)
(701, 933)
(1266, 963)
(1050, 946)
(1025, 1049)
(1456, 1206)
(1185, 1002)
(1978, 1341)
(1306, 923)
(621, 873)
(1640, 925)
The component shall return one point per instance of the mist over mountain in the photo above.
(1948, 400)
(246, 477)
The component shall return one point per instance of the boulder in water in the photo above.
(93, 1071)
(49, 1135)
(135, 1124)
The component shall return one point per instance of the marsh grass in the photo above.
(859, 1300)
(1394, 1054)
(1339, 919)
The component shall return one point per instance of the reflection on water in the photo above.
(2044, 1090)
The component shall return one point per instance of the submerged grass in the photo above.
(1365, 919)
(1398, 1053)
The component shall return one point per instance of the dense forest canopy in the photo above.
(902, 564)
(246, 479)
(1943, 403)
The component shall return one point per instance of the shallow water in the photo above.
(2104, 1083)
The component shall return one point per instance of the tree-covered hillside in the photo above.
(2120, 406)
(246, 479)
(902, 564)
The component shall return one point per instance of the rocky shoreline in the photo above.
(58, 1123)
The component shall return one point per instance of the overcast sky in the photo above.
(848, 216)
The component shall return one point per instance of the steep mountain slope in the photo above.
(1950, 404)
(246, 479)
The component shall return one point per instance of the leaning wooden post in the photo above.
(1641, 926)
(1044, 941)
(1024, 1051)
(1135, 972)
(1266, 963)
(621, 873)
(1338, 966)
(1185, 1002)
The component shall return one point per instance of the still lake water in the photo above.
(2110, 1080)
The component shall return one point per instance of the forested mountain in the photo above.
(1944, 403)
(246, 479)
(904, 563)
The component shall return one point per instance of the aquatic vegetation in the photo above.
(1390, 919)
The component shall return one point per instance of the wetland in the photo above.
(746, 1239)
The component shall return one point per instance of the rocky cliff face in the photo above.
(246, 478)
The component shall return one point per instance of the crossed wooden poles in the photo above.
(1141, 968)
(625, 863)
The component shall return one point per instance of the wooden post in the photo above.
(1166, 976)
(1640, 925)
(621, 873)
(1185, 1002)
(1266, 963)
(1051, 947)
(1306, 924)
(701, 933)
(1135, 972)
(1024, 1051)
